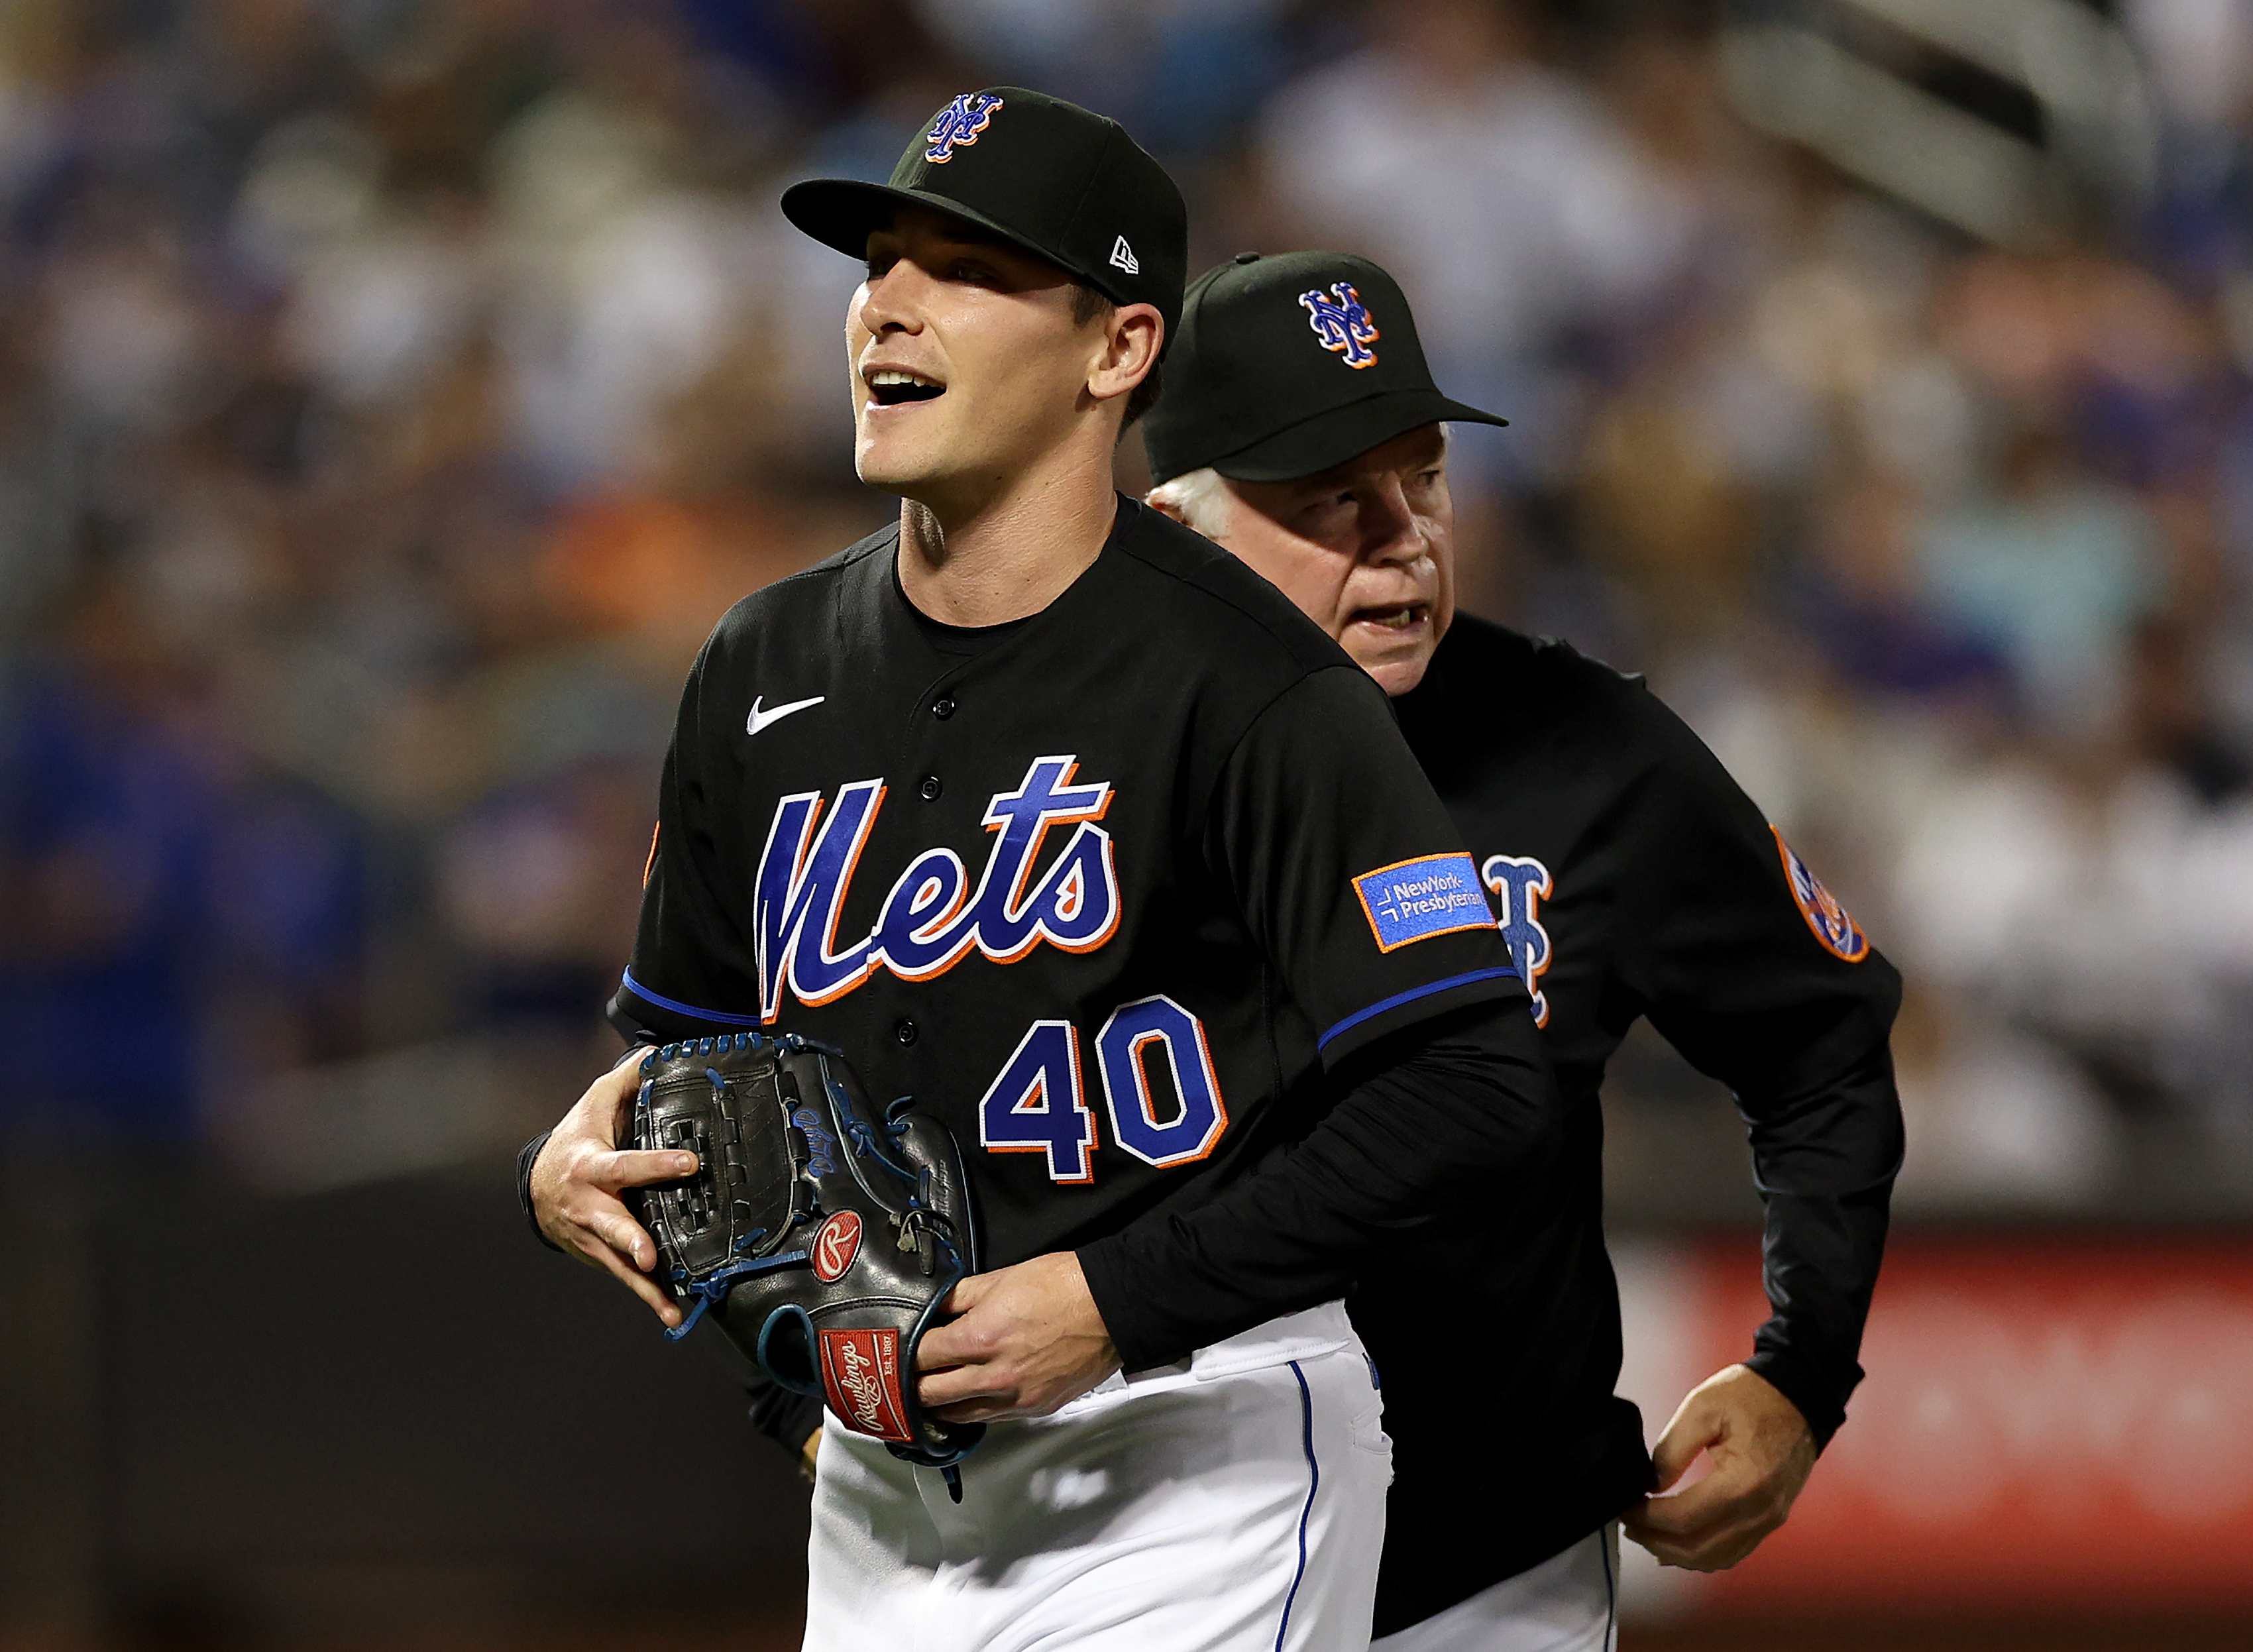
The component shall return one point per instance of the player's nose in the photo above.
(890, 302)
(1391, 535)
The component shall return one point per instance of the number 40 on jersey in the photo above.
(1039, 1103)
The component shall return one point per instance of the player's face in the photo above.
(967, 365)
(1366, 549)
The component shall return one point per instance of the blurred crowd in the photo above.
(393, 393)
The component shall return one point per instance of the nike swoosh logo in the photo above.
(759, 719)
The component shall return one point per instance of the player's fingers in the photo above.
(630, 1239)
(1714, 1551)
(1705, 1547)
(635, 1167)
(594, 1249)
(643, 1286)
(1683, 1513)
(946, 1343)
(966, 1294)
(970, 1338)
(605, 1230)
(973, 1386)
(1690, 1433)
(957, 1344)
(1665, 1549)
(1709, 1527)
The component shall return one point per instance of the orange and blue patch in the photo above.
(1839, 934)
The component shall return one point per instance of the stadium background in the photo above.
(392, 391)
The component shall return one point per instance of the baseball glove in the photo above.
(820, 1234)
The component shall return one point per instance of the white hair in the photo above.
(1204, 499)
(1208, 505)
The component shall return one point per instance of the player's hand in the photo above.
(1762, 1452)
(1028, 1340)
(577, 1180)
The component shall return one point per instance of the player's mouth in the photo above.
(1393, 617)
(896, 387)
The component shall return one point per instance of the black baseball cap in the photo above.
(1043, 174)
(1289, 365)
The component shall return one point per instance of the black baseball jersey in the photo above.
(1632, 877)
(1109, 889)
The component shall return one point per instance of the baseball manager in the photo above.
(1632, 878)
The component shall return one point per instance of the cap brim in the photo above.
(840, 212)
(1338, 434)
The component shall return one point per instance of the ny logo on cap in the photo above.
(961, 122)
(1342, 323)
(1122, 257)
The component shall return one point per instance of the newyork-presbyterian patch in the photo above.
(1415, 900)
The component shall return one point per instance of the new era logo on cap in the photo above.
(1122, 257)
(961, 122)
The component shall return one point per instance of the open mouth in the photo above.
(891, 387)
(1393, 616)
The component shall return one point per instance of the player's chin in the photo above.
(897, 461)
(1393, 644)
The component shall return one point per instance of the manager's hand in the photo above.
(579, 1175)
(1028, 1340)
(1762, 1452)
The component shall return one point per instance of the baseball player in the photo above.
(1057, 818)
(1301, 429)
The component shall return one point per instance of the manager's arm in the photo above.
(1763, 983)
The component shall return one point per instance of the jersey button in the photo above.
(930, 788)
(904, 1031)
(942, 709)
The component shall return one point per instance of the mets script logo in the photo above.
(961, 122)
(1343, 323)
(836, 1246)
(1520, 884)
(1838, 933)
(820, 1145)
(934, 915)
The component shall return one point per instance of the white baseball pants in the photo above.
(1568, 1603)
(1234, 1504)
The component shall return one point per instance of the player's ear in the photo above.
(1131, 340)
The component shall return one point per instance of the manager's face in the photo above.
(1366, 549)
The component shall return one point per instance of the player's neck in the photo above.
(985, 557)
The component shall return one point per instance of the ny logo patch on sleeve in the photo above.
(1415, 900)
